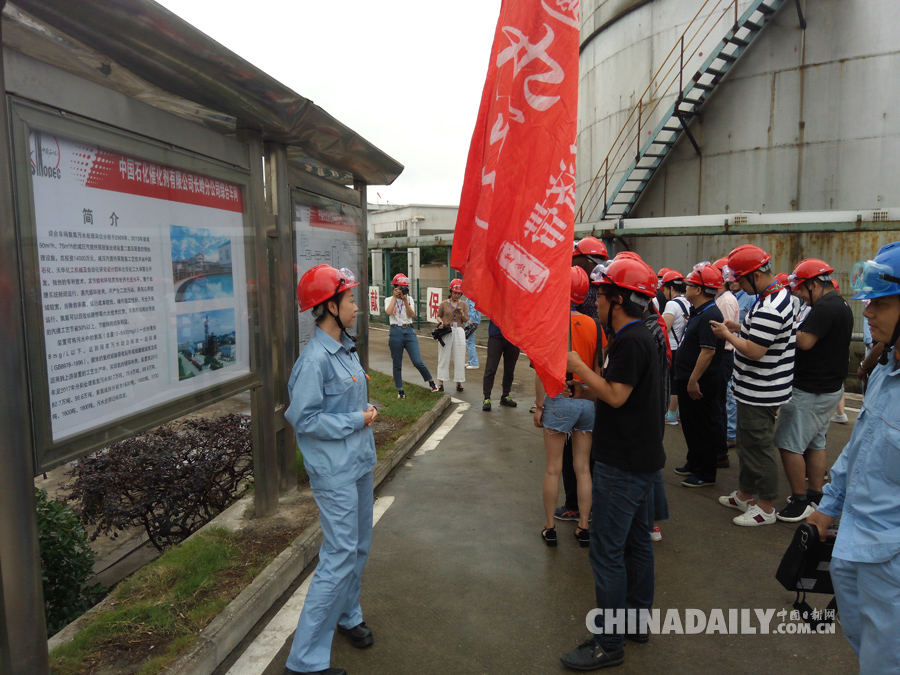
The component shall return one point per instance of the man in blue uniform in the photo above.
(865, 486)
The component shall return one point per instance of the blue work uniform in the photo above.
(474, 317)
(328, 393)
(865, 492)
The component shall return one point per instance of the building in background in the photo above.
(412, 220)
(794, 131)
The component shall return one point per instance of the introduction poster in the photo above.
(143, 283)
(327, 233)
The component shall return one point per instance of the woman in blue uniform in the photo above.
(331, 415)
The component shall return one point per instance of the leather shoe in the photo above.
(360, 636)
(329, 671)
(591, 656)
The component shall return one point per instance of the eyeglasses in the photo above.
(872, 276)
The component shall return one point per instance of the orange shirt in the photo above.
(584, 338)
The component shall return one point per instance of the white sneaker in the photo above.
(655, 534)
(468, 367)
(732, 502)
(840, 419)
(754, 516)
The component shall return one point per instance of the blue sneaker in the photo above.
(671, 419)
(562, 513)
(693, 481)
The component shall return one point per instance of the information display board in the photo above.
(142, 281)
(326, 232)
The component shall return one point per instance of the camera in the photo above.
(404, 290)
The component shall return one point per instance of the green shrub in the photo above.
(67, 563)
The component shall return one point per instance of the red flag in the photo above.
(514, 230)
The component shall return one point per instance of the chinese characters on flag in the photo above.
(514, 232)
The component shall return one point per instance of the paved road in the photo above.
(459, 581)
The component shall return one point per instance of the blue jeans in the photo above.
(406, 338)
(470, 351)
(345, 514)
(621, 552)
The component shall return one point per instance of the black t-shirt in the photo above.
(698, 334)
(822, 369)
(631, 437)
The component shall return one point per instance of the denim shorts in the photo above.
(568, 414)
(803, 421)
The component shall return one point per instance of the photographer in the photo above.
(401, 312)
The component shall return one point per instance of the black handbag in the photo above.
(470, 328)
(804, 569)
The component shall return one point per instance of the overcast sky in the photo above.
(405, 74)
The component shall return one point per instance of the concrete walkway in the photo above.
(460, 582)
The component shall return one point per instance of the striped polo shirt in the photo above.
(767, 382)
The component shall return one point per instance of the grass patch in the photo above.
(396, 415)
(157, 614)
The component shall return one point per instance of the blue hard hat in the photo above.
(879, 277)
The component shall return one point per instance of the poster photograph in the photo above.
(206, 342)
(201, 264)
(142, 282)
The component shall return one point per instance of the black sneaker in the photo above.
(440, 388)
(508, 402)
(814, 497)
(486, 406)
(360, 635)
(796, 510)
(459, 387)
(401, 393)
(684, 471)
(591, 656)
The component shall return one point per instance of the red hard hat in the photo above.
(809, 269)
(663, 270)
(456, 285)
(721, 263)
(591, 246)
(632, 273)
(672, 275)
(707, 275)
(580, 285)
(837, 286)
(400, 280)
(783, 279)
(322, 283)
(746, 259)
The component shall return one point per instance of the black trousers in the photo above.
(704, 431)
(498, 347)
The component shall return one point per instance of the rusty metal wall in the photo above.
(805, 121)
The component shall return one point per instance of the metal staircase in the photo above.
(618, 202)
